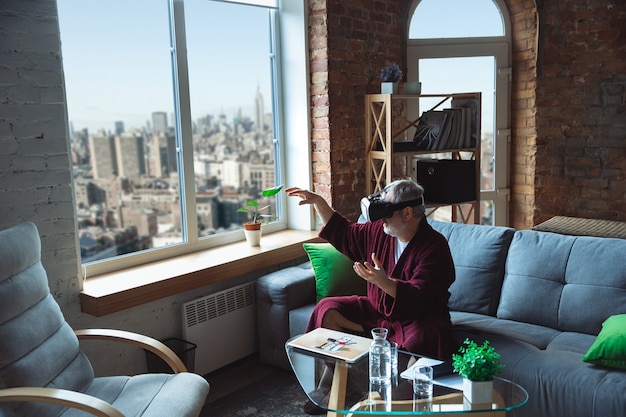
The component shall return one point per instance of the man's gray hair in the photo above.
(405, 190)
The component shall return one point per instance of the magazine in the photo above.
(339, 345)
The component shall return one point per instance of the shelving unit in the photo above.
(386, 122)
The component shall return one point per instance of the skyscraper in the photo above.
(102, 156)
(259, 111)
(119, 127)
(159, 122)
(130, 156)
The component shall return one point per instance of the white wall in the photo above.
(35, 180)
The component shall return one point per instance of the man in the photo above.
(411, 301)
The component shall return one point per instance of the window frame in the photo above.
(498, 47)
(292, 131)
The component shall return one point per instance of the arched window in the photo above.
(461, 46)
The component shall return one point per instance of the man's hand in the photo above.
(376, 275)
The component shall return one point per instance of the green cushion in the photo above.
(609, 349)
(333, 272)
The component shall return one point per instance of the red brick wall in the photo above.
(581, 110)
(568, 102)
(523, 14)
(350, 41)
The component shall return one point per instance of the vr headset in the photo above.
(374, 207)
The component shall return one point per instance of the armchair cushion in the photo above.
(333, 271)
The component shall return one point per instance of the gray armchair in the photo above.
(43, 373)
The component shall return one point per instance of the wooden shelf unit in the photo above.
(384, 126)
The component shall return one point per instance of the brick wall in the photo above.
(350, 41)
(567, 109)
(35, 182)
(581, 110)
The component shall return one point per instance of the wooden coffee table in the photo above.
(345, 389)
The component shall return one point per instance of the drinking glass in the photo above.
(422, 388)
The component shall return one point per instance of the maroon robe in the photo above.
(418, 318)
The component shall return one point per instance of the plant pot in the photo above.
(412, 87)
(389, 88)
(478, 391)
(253, 233)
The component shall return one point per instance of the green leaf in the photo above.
(272, 191)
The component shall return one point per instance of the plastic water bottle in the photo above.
(380, 357)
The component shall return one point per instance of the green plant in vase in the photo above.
(252, 205)
(478, 365)
(390, 75)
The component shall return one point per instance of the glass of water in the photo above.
(422, 387)
(394, 360)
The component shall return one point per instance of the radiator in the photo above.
(223, 325)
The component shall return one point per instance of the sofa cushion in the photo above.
(334, 274)
(609, 348)
(559, 384)
(538, 336)
(299, 318)
(578, 343)
(595, 284)
(479, 254)
(564, 282)
(534, 278)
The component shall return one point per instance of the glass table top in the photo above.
(343, 388)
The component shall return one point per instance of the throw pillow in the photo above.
(333, 271)
(609, 348)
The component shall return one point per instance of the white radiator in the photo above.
(223, 325)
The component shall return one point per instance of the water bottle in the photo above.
(380, 357)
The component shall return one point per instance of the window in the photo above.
(457, 46)
(174, 110)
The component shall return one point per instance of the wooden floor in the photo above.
(236, 376)
(243, 389)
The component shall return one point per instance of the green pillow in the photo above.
(609, 349)
(333, 272)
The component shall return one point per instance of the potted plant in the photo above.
(252, 228)
(478, 365)
(390, 75)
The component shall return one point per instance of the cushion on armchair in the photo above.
(333, 272)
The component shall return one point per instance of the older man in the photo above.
(411, 300)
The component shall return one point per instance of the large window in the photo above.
(174, 122)
(457, 46)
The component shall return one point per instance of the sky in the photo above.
(131, 80)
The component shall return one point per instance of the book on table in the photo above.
(338, 345)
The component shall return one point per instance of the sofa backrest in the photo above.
(569, 283)
(479, 254)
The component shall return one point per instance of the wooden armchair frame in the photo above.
(85, 402)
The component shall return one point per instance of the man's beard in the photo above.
(389, 230)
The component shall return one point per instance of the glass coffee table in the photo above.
(342, 388)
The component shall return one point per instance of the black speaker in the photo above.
(447, 180)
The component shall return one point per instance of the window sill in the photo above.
(108, 293)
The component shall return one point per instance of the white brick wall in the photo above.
(35, 182)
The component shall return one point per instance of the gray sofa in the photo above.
(540, 298)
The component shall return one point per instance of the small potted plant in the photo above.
(478, 365)
(252, 228)
(390, 75)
